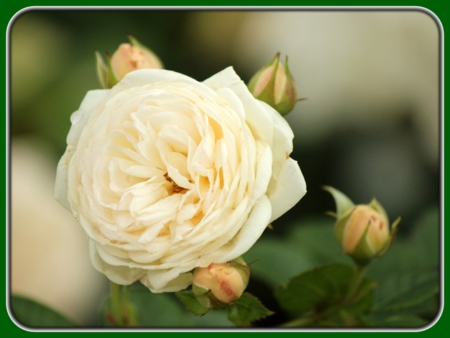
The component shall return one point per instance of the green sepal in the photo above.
(102, 70)
(339, 228)
(363, 254)
(267, 95)
(112, 80)
(134, 42)
(393, 230)
(289, 97)
(375, 205)
(242, 268)
(206, 298)
(343, 203)
(254, 80)
(190, 303)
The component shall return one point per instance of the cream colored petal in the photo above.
(166, 280)
(249, 233)
(222, 79)
(142, 77)
(61, 182)
(281, 127)
(263, 170)
(79, 120)
(256, 116)
(287, 189)
(81, 116)
(122, 275)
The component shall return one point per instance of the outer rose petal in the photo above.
(144, 77)
(166, 281)
(287, 189)
(79, 120)
(250, 232)
(258, 119)
(288, 185)
(284, 190)
(80, 117)
(122, 275)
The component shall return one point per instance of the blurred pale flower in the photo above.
(49, 259)
(357, 68)
(167, 174)
(373, 75)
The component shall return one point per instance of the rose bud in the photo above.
(126, 58)
(362, 231)
(220, 284)
(275, 85)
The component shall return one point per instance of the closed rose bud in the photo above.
(126, 58)
(275, 85)
(362, 231)
(220, 284)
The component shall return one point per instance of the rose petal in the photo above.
(286, 189)
(166, 280)
(247, 236)
(122, 275)
(88, 104)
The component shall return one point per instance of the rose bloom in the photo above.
(166, 174)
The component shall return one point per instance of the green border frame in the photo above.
(9, 11)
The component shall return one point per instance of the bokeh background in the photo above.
(370, 126)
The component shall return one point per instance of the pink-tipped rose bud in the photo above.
(362, 231)
(275, 85)
(220, 284)
(126, 58)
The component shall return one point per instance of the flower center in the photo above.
(176, 189)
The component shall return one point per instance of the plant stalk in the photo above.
(116, 303)
(355, 283)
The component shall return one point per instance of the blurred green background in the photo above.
(369, 127)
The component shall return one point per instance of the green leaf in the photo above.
(317, 242)
(425, 239)
(324, 289)
(216, 318)
(247, 309)
(275, 260)
(190, 303)
(33, 314)
(406, 290)
(310, 243)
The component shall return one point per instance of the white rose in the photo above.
(166, 174)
